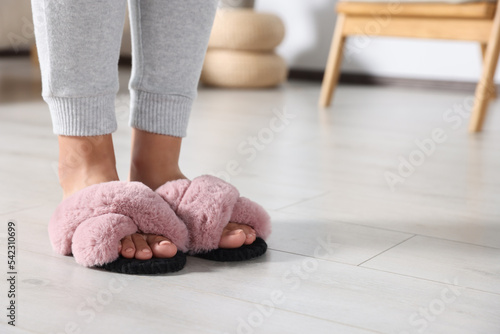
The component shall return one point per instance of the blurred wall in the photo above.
(310, 27)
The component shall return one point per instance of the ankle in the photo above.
(84, 161)
(155, 158)
(154, 173)
(74, 179)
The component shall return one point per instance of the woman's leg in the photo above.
(78, 44)
(169, 42)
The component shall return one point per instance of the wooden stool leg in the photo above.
(34, 55)
(484, 91)
(494, 88)
(332, 71)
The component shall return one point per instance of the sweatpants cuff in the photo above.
(83, 116)
(161, 114)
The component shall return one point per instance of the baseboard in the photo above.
(345, 78)
(11, 53)
(365, 79)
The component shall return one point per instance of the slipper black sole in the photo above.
(243, 253)
(152, 266)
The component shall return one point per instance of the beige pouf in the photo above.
(243, 69)
(245, 29)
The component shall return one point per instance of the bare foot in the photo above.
(155, 161)
(84, 161)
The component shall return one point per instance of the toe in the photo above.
(251, 236)
(161, 246)
(249, 232)
(232, 238)
(128, 247)
(143, 252)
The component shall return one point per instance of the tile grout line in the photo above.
(319, 259)
(391, 230)
(388, 249)
(312, 257)
(302, 201)
(354, 265)
(389, 272)
(253, 303)
(433, 281)
(276, 307)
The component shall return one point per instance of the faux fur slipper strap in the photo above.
(90, 223)
(206, 205)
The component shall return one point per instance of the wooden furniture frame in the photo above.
(479, 22)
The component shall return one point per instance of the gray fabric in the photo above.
(79, 43)
(228, 4)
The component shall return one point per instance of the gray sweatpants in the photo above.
(79, 44)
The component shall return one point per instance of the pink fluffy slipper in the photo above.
(90, 224)
(206, 205)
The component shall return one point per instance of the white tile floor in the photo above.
(348, 254)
